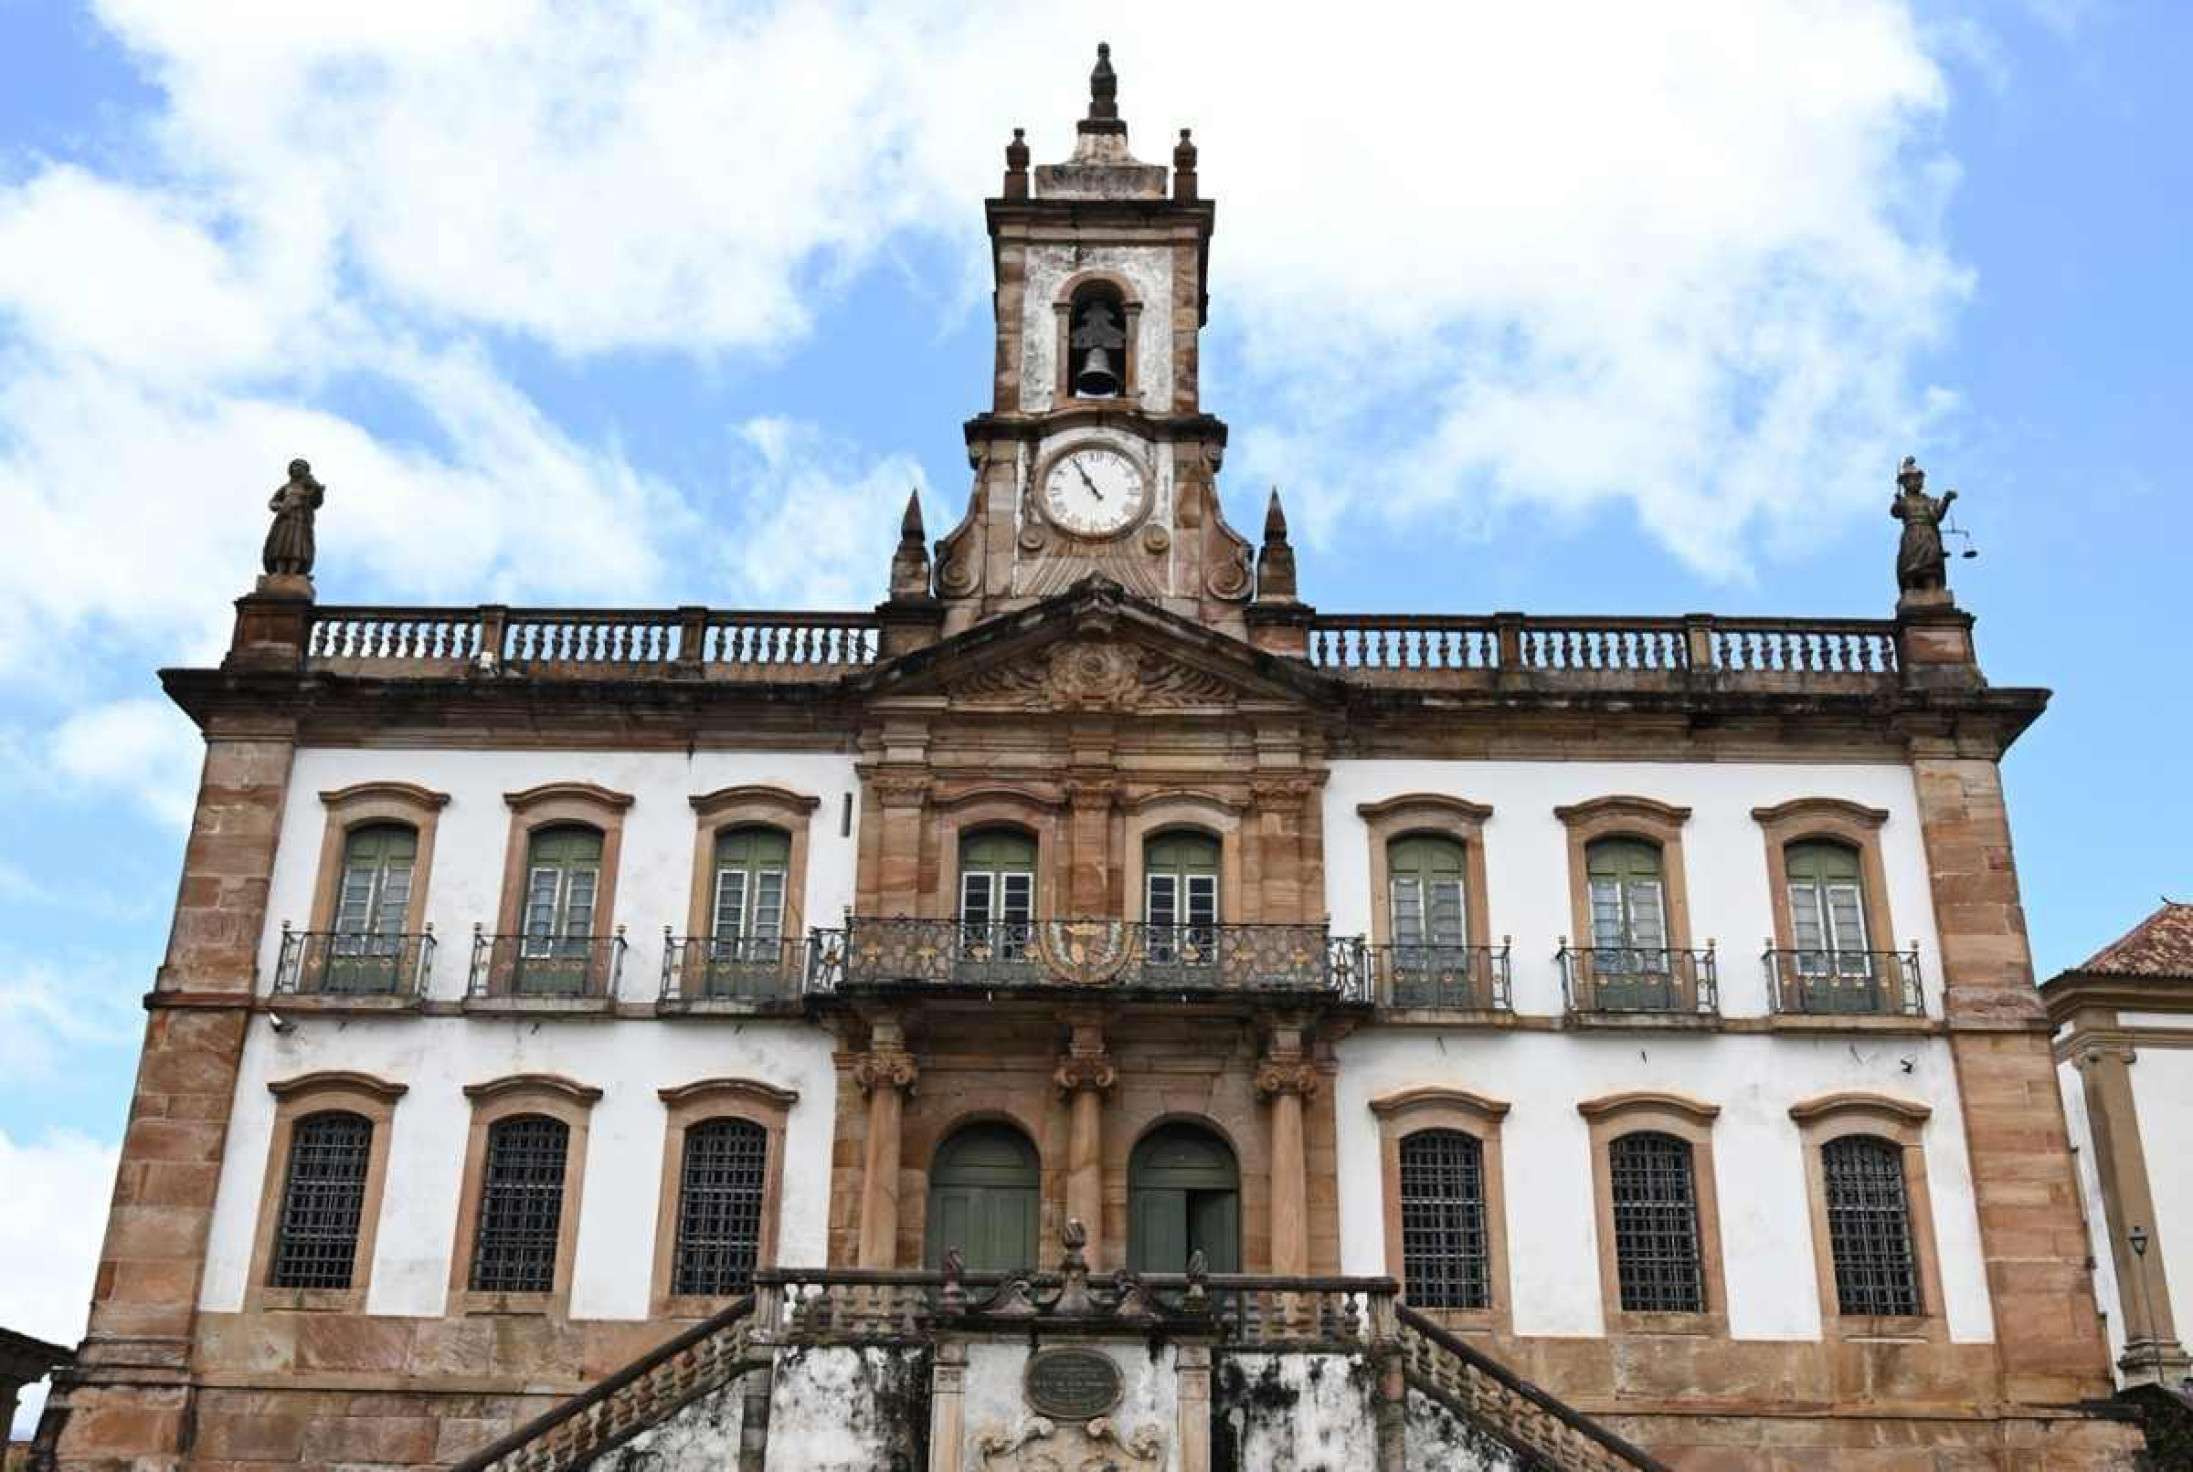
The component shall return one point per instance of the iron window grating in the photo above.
(1446, 1256)
(1869, 1227)
(719, 1207)
(1658, 1264)
(521, 1206)
(323, 1201)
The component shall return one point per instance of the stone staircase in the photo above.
(1417, 1398)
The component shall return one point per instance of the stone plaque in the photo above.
(1072, 1383)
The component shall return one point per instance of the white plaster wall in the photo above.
(1148, 268)
(655, 871)
(1724, 854)
(2090, 1199)
(435, 1057)
(1766, 1232)
(2162, 1092)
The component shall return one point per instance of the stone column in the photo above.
(886, 1074)
(1085, 1075)
(1192, 1370)
(1286, 1077)
(947, 1406)
(128, 1395)
(2152, 1352)
(2032, 1234)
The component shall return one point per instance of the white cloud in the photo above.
(817, 522)
(56, 1197)
(143, 747)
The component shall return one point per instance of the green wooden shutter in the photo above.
(984, 1194)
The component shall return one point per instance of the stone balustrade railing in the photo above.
(590, 643)
(1425, 646)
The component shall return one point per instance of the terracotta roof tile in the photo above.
(2160, 945)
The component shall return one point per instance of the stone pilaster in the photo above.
(1085, 1076)
(128, 1396)
(1285, 1078)
(2032, 1237)
(2152, 1352)
(886, 1074)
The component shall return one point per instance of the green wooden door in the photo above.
(1827, 911)
(1183, 1196)
(983, 1199)
(746, 922)
(563, 869)
(1180, 899)
(1429, 918)
(366, 951)
(1631, 968)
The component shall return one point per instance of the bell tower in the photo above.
(1095, 455)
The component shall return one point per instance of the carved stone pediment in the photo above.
(1101, 1445)
(1094, 674)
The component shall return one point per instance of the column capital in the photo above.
(2090, 1050)
(1278, 1076)
(885, 1067)
(1076, 1072)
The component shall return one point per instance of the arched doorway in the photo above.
(983, 1194)
(1183, 1195)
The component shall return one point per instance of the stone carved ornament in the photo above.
(1095, 674)
(1040, 1445)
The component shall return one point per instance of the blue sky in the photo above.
(1587, 309)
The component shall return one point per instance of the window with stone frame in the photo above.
(722, 1182)
(1827, 909)
(1629, 925)
(997, 893)
(1180, 897)
(520, 1218)
(1869, 1227)
(1659, 1264)
(746, 917)
(1446, 1251)
(323, 1201)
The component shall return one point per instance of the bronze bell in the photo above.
(1096, 380)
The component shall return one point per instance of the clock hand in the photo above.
(1092, 485)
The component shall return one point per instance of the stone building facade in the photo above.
(1649, 997)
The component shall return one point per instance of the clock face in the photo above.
(1095, 491)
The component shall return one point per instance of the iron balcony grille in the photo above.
(1845, 983)
(1869, 1227)
(521, 1206)
(719, 1207)
(1446, 1259)
(699, 968)
(1127, 954)
(1452, 977)
(546, 967)
(334, 963)
(1652, 979)
(323, 1198)
(1656, 1253)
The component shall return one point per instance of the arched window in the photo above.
(323, 1201)
(1097, 343)
(720, 1188)
(563, 868)
(1869, 1226)
(371, 908)
(521, 1205)
(1445, 1253)
(746, 918)
(1827, 912)
(984, 1191)
(1183, 1197)
(1658, 1262)
(997, 893)
(1180, 898)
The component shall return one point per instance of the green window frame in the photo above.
(1426, 894)
(1827, 909)
(1629, 914)
(1180, 872)
(563, 868)
(746, 915)
(372, 906)
(997, 891)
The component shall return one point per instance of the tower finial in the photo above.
(1103, 96)
(910, 563)
(1016, 165)
(1275, 574)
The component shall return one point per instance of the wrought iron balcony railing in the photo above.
(702, 968)
(1844, 983)
(1121, 954)
(331, 963)
(546, 967)
(1597, 980)
(1452, 977)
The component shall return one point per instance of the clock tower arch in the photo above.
(1095, 455)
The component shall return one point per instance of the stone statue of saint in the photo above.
(1920, 563)
(289, 546)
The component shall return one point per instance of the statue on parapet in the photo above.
(290, 548)
(1921, 565)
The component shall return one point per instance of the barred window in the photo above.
(521, 1206)
(1656, 1254)
(1446, 1259)
(1869, 1226)
(719, 1206)
(323, 1198)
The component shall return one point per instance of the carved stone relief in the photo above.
(1101, 1445)
(1094, 674)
